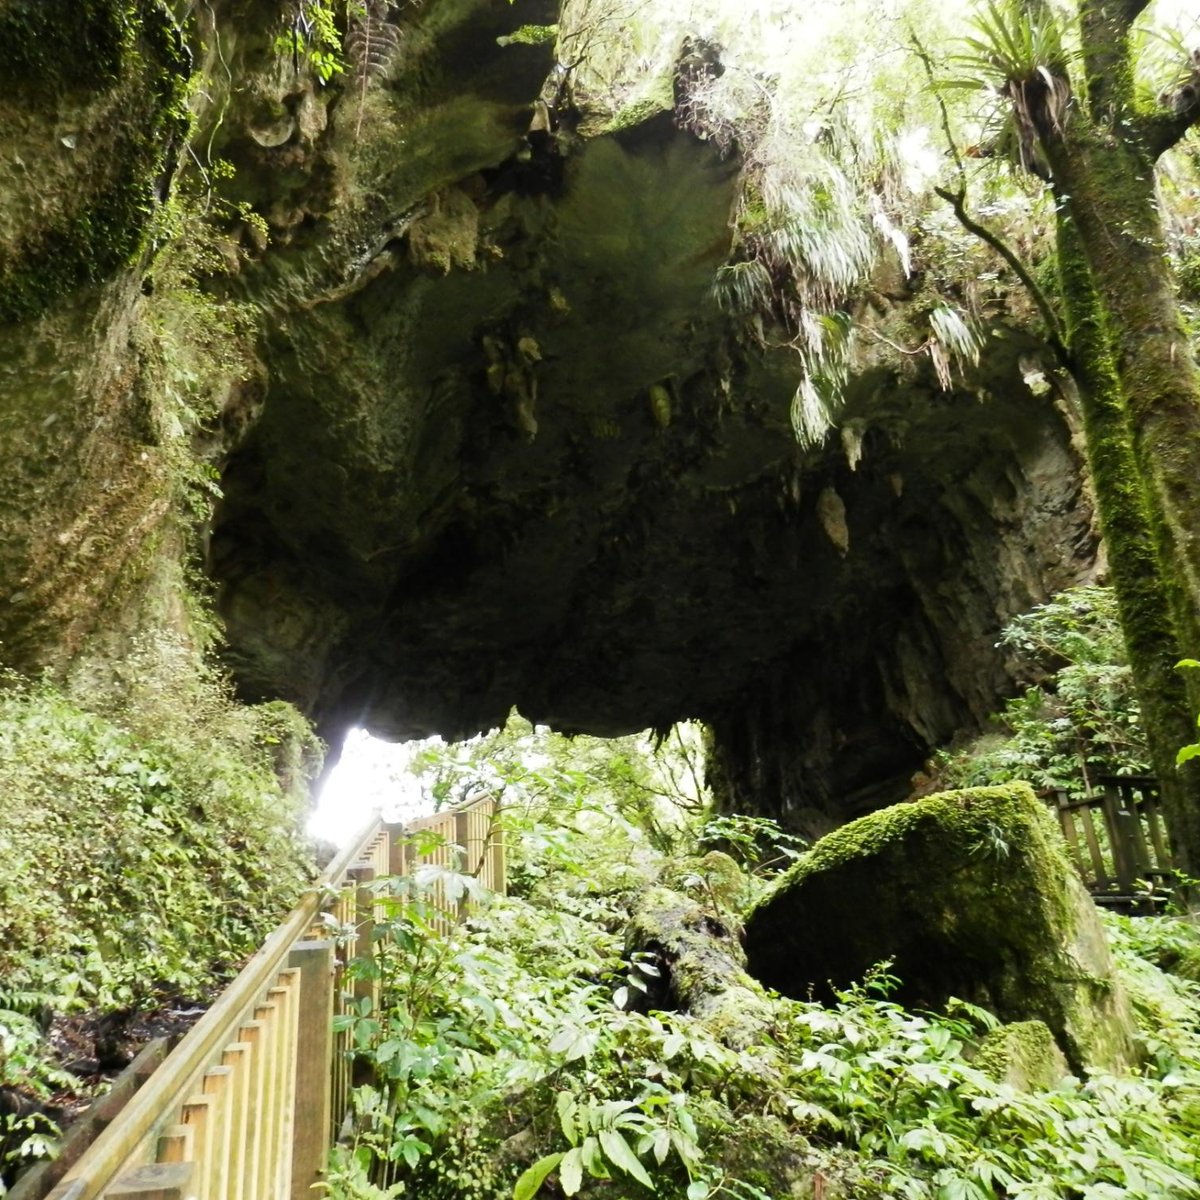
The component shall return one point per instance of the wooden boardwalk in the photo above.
(246, 1106)
(1118, 840)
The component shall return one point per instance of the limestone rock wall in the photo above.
(478, 433)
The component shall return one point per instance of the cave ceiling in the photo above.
(507, 449)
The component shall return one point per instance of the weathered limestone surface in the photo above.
(968, 894)
(481, 432)
(1024, 1055)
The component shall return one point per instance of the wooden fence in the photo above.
(1118, 840)
(246, 1106)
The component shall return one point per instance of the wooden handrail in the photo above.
(261, 1068)
(177, 1075)
(1118, 840)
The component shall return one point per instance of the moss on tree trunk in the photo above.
(1106, 185)
(1136, 370)
(1136, 562)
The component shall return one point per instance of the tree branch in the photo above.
(1122, 13)
(1160, 131)
(957, 201)
(1132, 9)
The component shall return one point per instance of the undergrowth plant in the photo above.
(501, 1061)
(146, 847)
(1077, 718)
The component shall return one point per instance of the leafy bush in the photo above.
(1077, 719)
(503, 1064)
(144, 849)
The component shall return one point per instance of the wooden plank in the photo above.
(1158, 835)
(216, 1085)
(251, 1035)
(198, 1115)
(268, 1016)
(314, 1065)
(1119, 836)
(158, 1181)
(499, 854)
(290, 981)
(277, 1096)
(1066, 821)
(1100, 876)
(237, 1058)
(175, 1145)
(1141, 848)
(364, 930)
(396, 847)
(75, 1190)
(462, 838)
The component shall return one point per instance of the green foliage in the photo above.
(759, 844)
(529, 35)
(1078, 720)
(145, 845)
(1011, 41)
(1192, 750)
(502, 1063)
(551, 779)
(312, 38)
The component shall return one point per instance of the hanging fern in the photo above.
(372, 44)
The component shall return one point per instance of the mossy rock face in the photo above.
(1023, 1055)
(969, 894)
(90, 132)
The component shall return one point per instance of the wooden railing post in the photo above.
(363, 945)
(462, 839)
(397, 849)
(1120, 835)
(314, 1053)
(497, 860)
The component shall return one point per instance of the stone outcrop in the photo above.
(1024, 1055)
(968, 894)
(696, 966)
(483, 435)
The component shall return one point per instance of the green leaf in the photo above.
(697, 1190)
(662, 1145)
(672, 1044)
(616, 1148)
(591, 1157)
(565, 1105)
(527, 1186)
(1187, 753)
(570, 1171)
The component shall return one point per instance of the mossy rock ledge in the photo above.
(969, 894)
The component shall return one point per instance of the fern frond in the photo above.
(372, 44)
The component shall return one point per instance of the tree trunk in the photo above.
(1106, 186)
(1128, 524)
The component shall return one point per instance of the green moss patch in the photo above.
(1024, 1055)
(118, 71)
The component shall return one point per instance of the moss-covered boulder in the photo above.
(968, 894)
(1024, 1055)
